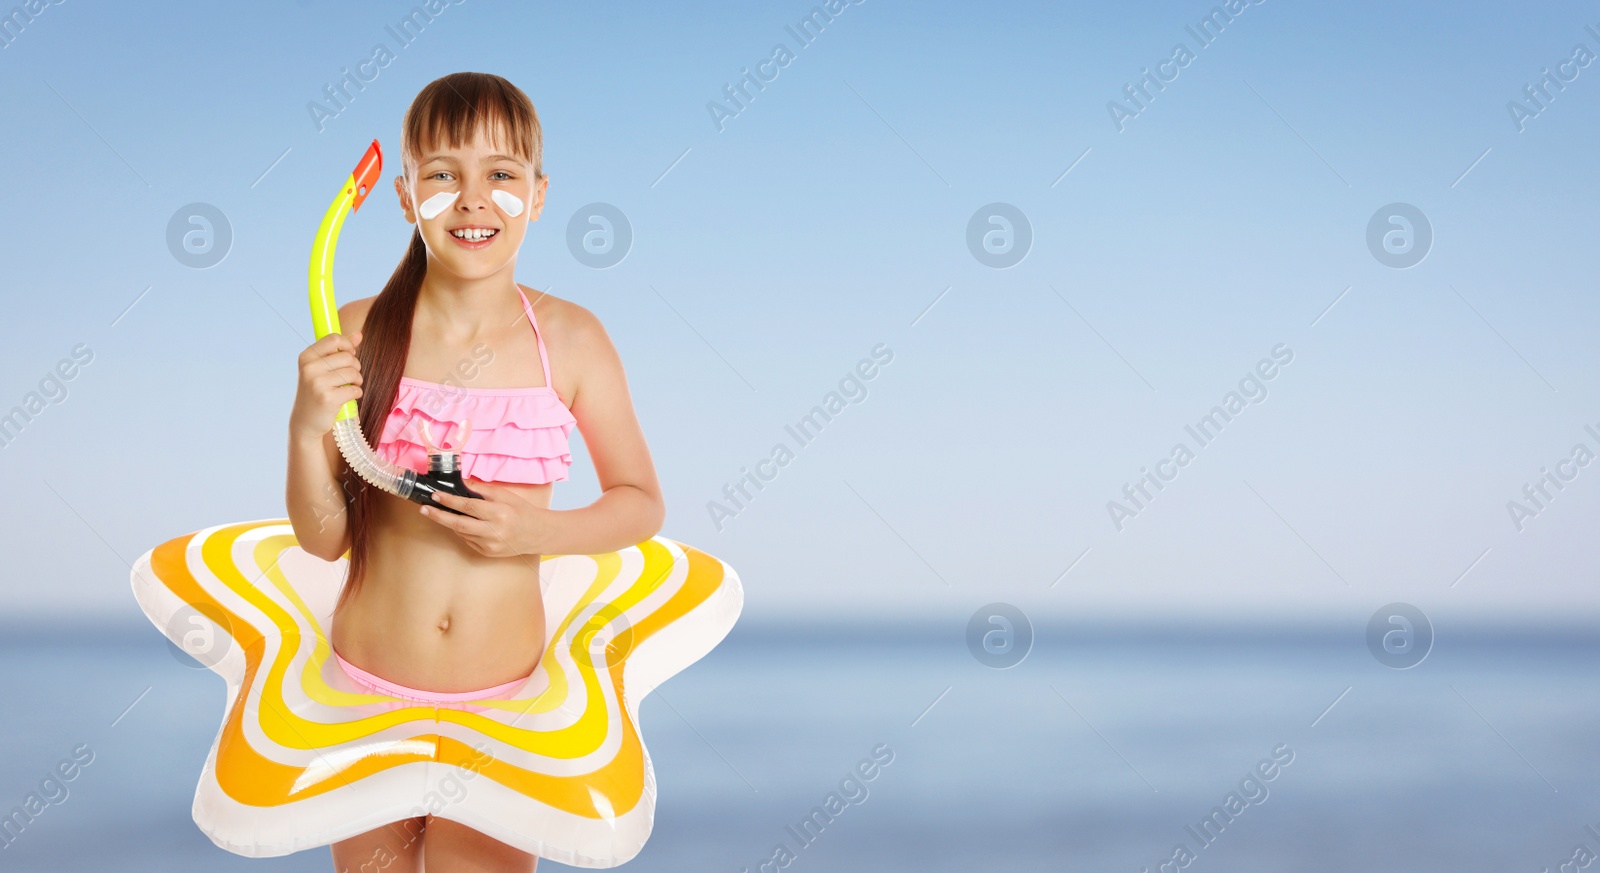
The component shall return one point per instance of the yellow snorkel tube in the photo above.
(444, 473)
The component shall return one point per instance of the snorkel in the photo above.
(444, 465)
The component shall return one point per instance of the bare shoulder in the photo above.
(353, 315)
(580, 351)
(566, 326)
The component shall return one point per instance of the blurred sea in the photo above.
(1093, 753)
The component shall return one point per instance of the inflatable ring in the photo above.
(306, 757)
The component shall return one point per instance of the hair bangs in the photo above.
(450, 110)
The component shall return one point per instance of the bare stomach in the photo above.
(435, 614)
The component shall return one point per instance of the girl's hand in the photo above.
(330, 375)
(501, 525)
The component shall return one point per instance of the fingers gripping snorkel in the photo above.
(444, 467)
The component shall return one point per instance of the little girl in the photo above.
(453, 352)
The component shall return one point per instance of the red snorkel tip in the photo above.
(366, 174)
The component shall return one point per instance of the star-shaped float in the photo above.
(306, 757)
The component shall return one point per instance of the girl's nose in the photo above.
(474, 195)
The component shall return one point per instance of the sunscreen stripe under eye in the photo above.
(508, 201)
(438, 203)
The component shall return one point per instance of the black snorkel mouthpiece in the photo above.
(444, 475)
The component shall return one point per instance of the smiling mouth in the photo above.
(474, 234)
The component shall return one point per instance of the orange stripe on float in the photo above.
(250, 777)
(241, 772)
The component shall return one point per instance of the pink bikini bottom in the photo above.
(384, 686)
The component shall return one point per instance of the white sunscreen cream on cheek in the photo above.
(508, 201)
(438, 203)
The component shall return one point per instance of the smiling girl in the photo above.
(439, 606)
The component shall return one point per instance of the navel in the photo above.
(444, 623)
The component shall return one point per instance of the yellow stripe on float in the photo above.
(250, 777)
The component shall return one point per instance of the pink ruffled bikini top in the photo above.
(510, 434)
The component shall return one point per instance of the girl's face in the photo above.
(473, 205)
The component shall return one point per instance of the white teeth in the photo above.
(473, 234)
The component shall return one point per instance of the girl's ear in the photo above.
(538, 197)
(405, 199)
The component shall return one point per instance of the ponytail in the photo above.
(385, 343)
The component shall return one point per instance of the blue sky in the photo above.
(772, 255)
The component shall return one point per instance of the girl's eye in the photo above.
(438, 174)
(501, 173)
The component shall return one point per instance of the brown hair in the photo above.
(449, 110)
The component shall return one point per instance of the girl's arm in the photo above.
(316, 502)
(630, 510)
(329, 376)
